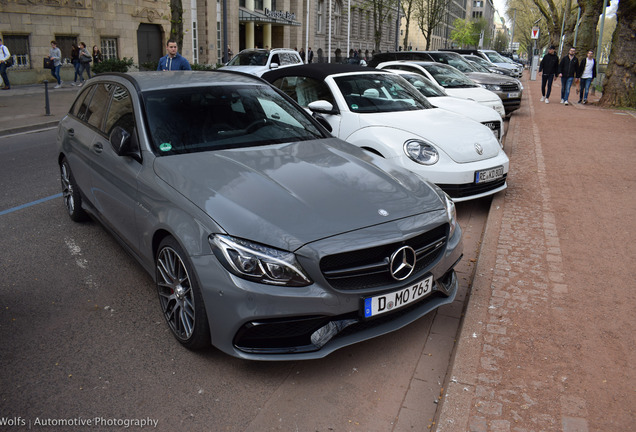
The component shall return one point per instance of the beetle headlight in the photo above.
(421, 152)
(258, 263)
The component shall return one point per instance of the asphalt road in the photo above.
(83, 339)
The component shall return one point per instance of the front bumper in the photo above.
(261, 322)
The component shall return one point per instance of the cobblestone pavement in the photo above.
(521, 364)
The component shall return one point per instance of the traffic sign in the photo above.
(535, 33)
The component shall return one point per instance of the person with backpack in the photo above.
(5, 62)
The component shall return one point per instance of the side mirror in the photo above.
(124, 143)
(322, 107)
(273, 65)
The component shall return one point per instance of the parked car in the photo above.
(265, 235)
(508, 89)
(381, 112)
(259, 61)
(489, 66)
(398, 55)
(452, 81)
(492, 57)
(471, 109)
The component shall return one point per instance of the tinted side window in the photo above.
(120, 112)
(80, 107)
(98, 106)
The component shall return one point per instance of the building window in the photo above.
(65, 44)
(18, 46)
(258, 4)
(319, 22)
(337, 18)
(195, 43)
(369, 26)
(109, 48)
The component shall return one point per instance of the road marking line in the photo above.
(32, 203)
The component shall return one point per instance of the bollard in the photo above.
(46, 98)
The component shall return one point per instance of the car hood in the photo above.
(452, 133)
(478, 94)
(468, 108)
(254, 70)
(288, 195)
(486, 78)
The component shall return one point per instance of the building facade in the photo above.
(139, 29)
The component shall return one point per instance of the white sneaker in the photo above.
(58, 86)
(542, 98)
(72, 83)
(547, 101)
(566, 103)
(80, 84)
(562, 100)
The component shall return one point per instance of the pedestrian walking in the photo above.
(97, 55)
(85, 59)
(55, 55)
(548, 68)
(76, 63)
(586, 73)
(568, 68)
(173, 60)
(302, 54)
(5, 58)
(310, 55)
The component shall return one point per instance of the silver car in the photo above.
(265, 236)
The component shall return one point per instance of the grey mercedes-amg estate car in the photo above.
(265, 236)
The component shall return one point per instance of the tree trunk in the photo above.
(176, 22)
(586, 36)
(619, 88)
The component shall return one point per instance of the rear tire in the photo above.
(180, 296)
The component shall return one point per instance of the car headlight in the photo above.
(451, 213)
(491, 87)
(421, 152)
(258, 263)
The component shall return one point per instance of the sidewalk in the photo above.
(548, 339)
(23, 108)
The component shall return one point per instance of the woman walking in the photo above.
(85, 59)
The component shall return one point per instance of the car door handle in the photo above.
(71, 132)
(98, 147)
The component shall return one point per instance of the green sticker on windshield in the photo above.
(165, 147)
(354, 106)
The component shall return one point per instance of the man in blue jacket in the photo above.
(173, 60)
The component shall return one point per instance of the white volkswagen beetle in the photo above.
(384, 114)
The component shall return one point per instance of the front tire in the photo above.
(180, 296)
(71, 194)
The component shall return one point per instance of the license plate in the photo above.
(489, 175)
(513, 95)
(378, 305)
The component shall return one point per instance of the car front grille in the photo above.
(369, 268)
(509, 87)
(469, 189)
(495, 126)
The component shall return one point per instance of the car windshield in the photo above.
(375, 93)
(494, 57)
(448, 77)
(196, 119)
(250, 58)
(456, 61)
(478, 67)
(480, 61)
(425, 86)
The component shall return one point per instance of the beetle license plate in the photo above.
(513, 95)
(378, 305)
(489, 175)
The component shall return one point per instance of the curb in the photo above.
(30, 128)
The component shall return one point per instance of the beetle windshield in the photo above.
(424, 85)
(195, 119)
(374, 93)
(448, 77)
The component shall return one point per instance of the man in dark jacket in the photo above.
(586, 73)
(568, 69)
(548, 69)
